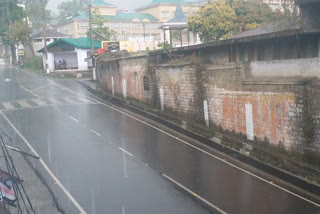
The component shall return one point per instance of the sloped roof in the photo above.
(155, 2)
(170, 2)
(101, 3)
(49, 33)
(81, 43)
(282, 25)
(179, 16)
(119, 16)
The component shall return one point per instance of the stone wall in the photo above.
(224, 97)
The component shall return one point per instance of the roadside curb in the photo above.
(282, 175)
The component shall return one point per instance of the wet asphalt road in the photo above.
(112, 163)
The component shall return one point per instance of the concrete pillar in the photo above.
(161, 98)
(206, 112)
(249, 122)
(319, 46)
(112, 85)
(82, 55)
(124, 88)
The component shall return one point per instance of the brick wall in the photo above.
(127, 75)
(179, 87)
(281, 113)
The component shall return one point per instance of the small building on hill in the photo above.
(68, 54)
(51, 36)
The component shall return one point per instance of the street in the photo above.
(112, 162)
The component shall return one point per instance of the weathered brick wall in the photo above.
(283, 114)
(127, 75)
(178, 89)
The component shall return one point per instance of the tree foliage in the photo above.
(99, 31)
(215, 20)
(69, 8)
(219, 19)
(34, 12)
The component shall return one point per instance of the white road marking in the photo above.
(123, 210)
(95, 132)
(194, 194)
(24, 104)
(31, 92)
(74, 119)
(41, 87)
(8, 105)
(40, 102)
(125, 151)
(55, 101)
(56, 92)
(68, 194)
(195, 147)
(51, 105)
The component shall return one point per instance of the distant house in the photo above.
(51, 36)
(125, 25)
(164, 10)
(68, 54)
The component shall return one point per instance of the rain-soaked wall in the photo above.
(283, 112)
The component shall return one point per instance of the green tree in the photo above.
(20, 33)
(99, 31)
(34, 12)
(214, 20)
(250, 14)
(69, 8)
(15, 30)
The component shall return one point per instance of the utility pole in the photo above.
(94, 75)
(44, 36)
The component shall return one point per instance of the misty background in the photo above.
(123, 4)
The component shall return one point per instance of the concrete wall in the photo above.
(309, 67)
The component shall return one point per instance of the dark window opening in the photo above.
(232, 54)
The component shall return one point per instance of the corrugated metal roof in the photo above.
(119, 16)
(101, 3)
(49, 33)
(179, 16)
(81, 43)
(282, 25)
(171, 2)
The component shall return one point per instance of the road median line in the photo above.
(125, 151)
(194, 194)
(93, 131)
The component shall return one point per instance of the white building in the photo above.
(69, 55)
(51, 36)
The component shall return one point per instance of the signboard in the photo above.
(127, 45)
(6, 186)
(21, 52)
(110, 46)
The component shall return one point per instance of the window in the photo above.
(135, 25)
(232, 54)
(47, 40)
(165, 14)
(125, 26)
(155, 26)
(146, 83)
(37, 40)
(82, 24)
(114, 25)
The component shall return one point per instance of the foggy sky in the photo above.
(125, 4)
